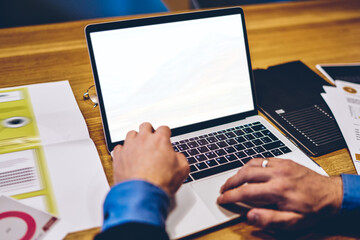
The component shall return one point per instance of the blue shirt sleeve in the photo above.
(351, 194)
(135, 201)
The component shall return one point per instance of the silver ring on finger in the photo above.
(265, 163)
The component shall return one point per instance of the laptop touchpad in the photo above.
(209, 190)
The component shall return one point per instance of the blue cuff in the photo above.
(351, 194)
(135, 201)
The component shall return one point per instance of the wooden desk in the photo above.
(312, 31)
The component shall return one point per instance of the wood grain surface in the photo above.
(311, 31)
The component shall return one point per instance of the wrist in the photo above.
(151, 180)
(334, 196)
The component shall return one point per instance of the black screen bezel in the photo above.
(168, 19)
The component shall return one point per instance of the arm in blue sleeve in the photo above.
(351, 194)
(135, 201)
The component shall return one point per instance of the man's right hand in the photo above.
(148, 155)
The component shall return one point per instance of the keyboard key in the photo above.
(203, 149)
(248, 144)
(202, 142)
(257, 142)
(249, 152)
(259, 149)
(258, 134)
(231, 141)
(216, 170)
(182, 147)
(266, 139)
(193, 144)
(258, 127)
(272, 136)
(240, 139)
(176, 149)
(210, 155)
(211, 163)
(276, 152)
(257, 156)
(220, 152)
(231, 157)
(230, 134)
(221, 160)
(189, 179)
(239, 132)
(267, 154)
(256, 123)
(201, 165)
(239, 147)
(222, 144)
(193, 168)
(185, 153)
(221, 137)
(193, 152)
(285, 149)
(248, 130)
(273, 145)
(245, 160)
(240, 154)
(249, 137)
(265, 132)
(230, 149)
(200, 157)
(191, 160)
(212, 146)
(212, 139)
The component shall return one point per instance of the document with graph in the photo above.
(44, 148)
(344, 102)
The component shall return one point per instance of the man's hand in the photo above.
(149, 155)
(301, 196)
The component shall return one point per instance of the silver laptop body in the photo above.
(192, 72)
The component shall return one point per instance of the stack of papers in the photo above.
(344, 102)
(47, 159)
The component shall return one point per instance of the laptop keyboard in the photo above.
(224, 150)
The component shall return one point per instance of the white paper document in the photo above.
(47, 159)
(344, 102)
(19, 221)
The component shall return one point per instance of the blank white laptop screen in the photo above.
(172, 74)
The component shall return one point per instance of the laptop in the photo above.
(191, 72)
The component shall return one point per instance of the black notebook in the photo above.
(289, 95)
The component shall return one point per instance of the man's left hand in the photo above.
(302, 197)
